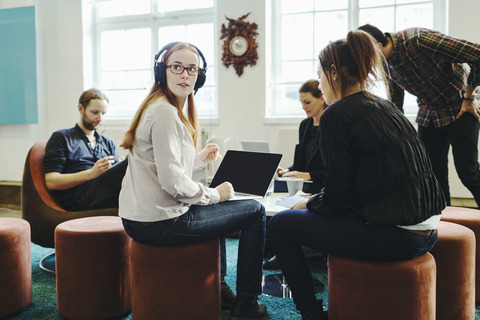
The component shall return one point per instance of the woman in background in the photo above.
(160, 204)
(380, 199)
(307, 163)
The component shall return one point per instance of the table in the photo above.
(275, 284)
(271, 208)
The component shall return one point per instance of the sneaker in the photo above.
(249, 309)
(228, 297)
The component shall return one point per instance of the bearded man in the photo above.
(83, 169)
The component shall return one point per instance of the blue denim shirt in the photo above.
(68, 151)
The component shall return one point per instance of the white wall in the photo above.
(59, 76)
(241, 100)
(463, 17)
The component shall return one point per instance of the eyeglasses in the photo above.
(179, 69)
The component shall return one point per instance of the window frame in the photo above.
(274, 41)
(94, 25)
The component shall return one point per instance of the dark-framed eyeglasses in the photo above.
(179, 69)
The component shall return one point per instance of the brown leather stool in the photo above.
(92, 268)
(374, 290)
(454, 254)
(179, 282)
(15, 266)
(469, 218)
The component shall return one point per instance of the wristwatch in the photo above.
(471, 99)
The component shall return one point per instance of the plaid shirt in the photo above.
(432, 67)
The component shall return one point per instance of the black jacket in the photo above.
(376, 165)
(309, 159)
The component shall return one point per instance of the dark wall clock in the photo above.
(240, 44)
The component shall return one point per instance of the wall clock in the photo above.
(240, 45)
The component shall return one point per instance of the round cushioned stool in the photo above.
(373, 290)
(15, 266)
(454, 254)
(178, 282)
(469, 218)
(92, 268)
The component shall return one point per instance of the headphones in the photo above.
(160, 68)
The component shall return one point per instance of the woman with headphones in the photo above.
(159, 202)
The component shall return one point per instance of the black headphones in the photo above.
(160, 68)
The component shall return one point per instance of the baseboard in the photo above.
(10, 194)
(463, 202)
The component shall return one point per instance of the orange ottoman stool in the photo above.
(469, 218)
(15, 266)
(92, 268)
(373, 290)
(454, 254)
(178, 282)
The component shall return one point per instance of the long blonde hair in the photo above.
(157, 92)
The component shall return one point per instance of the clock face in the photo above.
(238, 45)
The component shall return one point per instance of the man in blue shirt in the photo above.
(82, 167)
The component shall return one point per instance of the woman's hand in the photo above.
(209, 153)
(281, 171)
(226, 191)
(297, 174)
(302, 204)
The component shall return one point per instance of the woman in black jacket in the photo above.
(380, 199)
(307, 162)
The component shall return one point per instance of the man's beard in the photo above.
(88, 125)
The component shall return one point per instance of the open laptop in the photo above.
(255, 145)
(250, 173)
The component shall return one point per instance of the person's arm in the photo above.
(63, 181)
(442, 47)
(470, 106)
(337, 194)
(298, 174)
(55, 161)
(397, 95)
(317, 175)
(210, 153)
(168, 135)
(298, 158)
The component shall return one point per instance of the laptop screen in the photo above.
(255, 145)
(248, 172)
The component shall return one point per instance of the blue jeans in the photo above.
(202, 223)
(462, 134)
(341, 235)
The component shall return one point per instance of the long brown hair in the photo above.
(355, 59)
(155, 93)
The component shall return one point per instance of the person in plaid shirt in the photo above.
(443, 73)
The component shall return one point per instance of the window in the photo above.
(122, 38)
(300, 29)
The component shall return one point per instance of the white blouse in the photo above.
(158, 182)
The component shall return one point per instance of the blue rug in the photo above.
(44, 304)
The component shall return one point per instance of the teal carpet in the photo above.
(44, 306)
